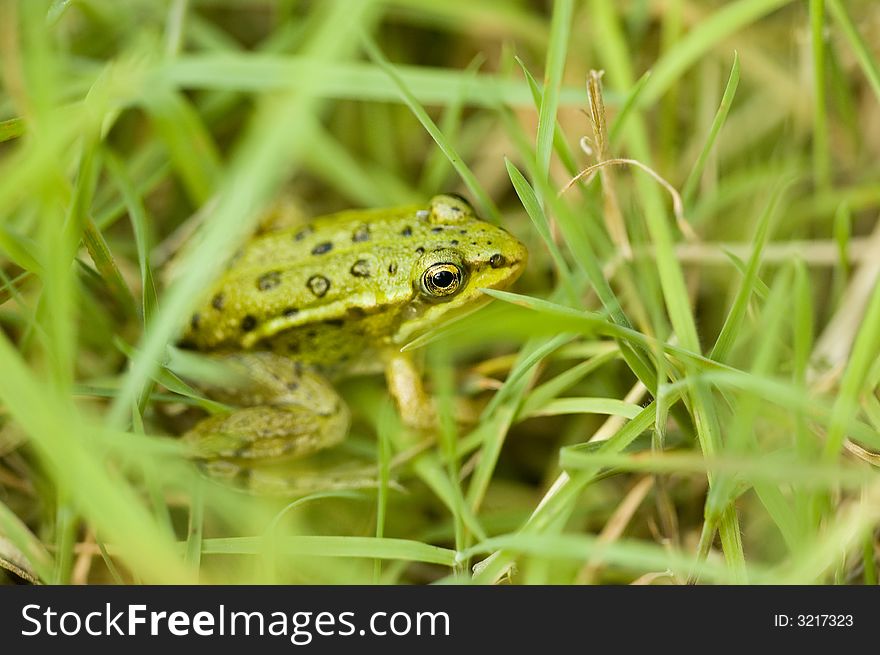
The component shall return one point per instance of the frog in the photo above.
(300, 308)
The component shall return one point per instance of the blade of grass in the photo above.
(842, 231)
(560, 145)
(546, 392)
(617, 59)
(857, 43)
(64, 443)
(174, 27)
(66, 525)
(560, 26)
(437, 165)
(333, 546)
(668, 128)
(777, 468)
(865, 348)
(631, 102)
(140, 226)
(630, 555)
(690, 186)
(821, 151)
(486, 204)
(329, 160)
(12, 528)
(760, 290)
(100, 253)
(486, 18)
(195, 528)
(610, 406)
(386, 424)
(560, 500)
(20, 249)
(353, 81)
(732, 324)
(11, 129)
(845, 531)
(533, 208)
(729, 18)
(273, 142)
(189, 142)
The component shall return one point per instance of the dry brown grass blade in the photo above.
(613, 216)
(829, 357)
(833, 346)
(615, 527)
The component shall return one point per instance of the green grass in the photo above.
(704, 407)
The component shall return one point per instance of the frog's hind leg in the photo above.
(285, 412)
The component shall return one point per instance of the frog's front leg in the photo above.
(417, 409)
(405, 386)
(283, 412)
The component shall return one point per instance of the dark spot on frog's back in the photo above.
(322, 248)
(361, 268)
(335, 322)
(362, 233)
(406, 232)
(217, 301)
(303, 233)
(497, 260)
(318, 285)
(269, 280)
(392, 268)
(248, 323)
(420, 251)
(436, 230)
(290, 311)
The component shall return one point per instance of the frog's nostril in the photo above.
(497, 260)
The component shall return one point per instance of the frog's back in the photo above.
(330, 289)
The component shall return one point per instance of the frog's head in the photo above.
(463, 255)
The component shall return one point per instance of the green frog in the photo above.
(299, 308)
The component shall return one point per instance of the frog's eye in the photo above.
(442, 280)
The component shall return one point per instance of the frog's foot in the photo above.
(288, 413)
(280, 480)
(266, 433)
(328, 470)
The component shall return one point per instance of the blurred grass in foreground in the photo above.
(671, 392)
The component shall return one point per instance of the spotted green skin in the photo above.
(340, 296)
